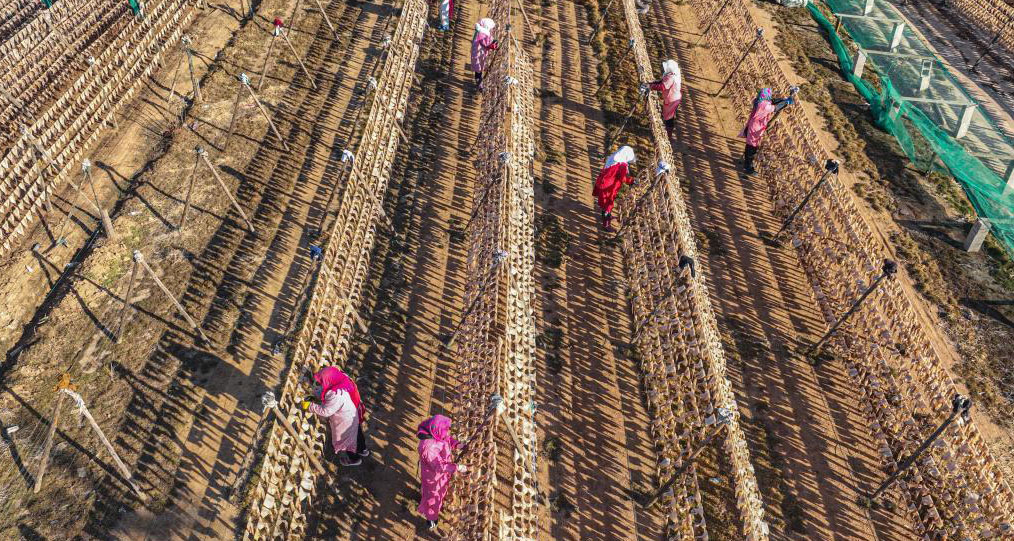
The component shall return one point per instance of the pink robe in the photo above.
(343, 417)
(608, 184)
(435, 470)
(482, 44)
(758, 123)
(671, 94)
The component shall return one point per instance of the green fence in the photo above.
(934, 119)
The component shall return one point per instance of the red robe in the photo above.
(608, 184)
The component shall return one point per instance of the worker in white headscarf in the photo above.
(482, 44)
(671, 87)
(611, 178)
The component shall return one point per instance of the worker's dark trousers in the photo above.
(748, 156)
(360, 446)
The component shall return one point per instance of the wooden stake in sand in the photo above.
(292, 16)
(190, 190)
(126, 301)
(190, 62)
(270, 403)
(267, 60)
(245, 81)
(139, 259)
(285, 36)
(203, 154)
(105, 441)
(53, 424)
(107, 223)
(327, 19)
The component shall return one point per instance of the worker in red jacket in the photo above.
(613, 176)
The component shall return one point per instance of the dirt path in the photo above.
(807, 421)
(274, 262)
(413, 296)
(592, 388)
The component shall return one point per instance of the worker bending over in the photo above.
(764, 108)
(343, 409)
(611, 178)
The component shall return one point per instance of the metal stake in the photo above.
(760, 33)
(830, 167)
(724, 419)
(889, 269)
(959, 406)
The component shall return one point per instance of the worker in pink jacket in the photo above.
(671, 87)
(482, 44)
(343, 409)
(764, 107)
(436, 465)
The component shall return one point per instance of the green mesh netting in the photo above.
(922, 105)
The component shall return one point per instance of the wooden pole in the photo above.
(267, 61)
(105, 441)
(49, 443)
(528, 23)
(190, 190)
(179, 307)
(107, 222)
(302, 444)
(327, 19)
(126, 302)
(292, 16)
(298, 59)
(232, 121)
(204, 155)
(246, 82)
(190, 62)
(610, 74)
(176, 73)
(757, 37)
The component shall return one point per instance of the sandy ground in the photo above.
(765, 303)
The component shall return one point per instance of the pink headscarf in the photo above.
(332, 379)
(439, 427)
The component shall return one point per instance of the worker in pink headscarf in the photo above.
(343, 409)
(670, 85)
(611, 178)
(436, 465)
(482, 44)
(764, 108)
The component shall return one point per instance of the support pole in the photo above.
(495, 402)
(660, 172)
(724, 419)
(630, 47)
(967, 114)
(298, 59)
(246, 82)
(704, 34)
(107, 222)
(179, 307)
(612, 138)
(176, 73)
(53, 425)
(232, 119)
(830, 168)
(528, 24)
(105, 441)
(986, 50)
(896, 35)
(960, 405)
(267, 59)
(190, 62)
(126, 301)
(292, 16)
(860, 63)
(594, 25)
(271, 403)
(327, 20)
(889, 269)
(757, 37)
(203, 154)
(686, 267)
(190, 191)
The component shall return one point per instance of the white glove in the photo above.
(462, 468)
